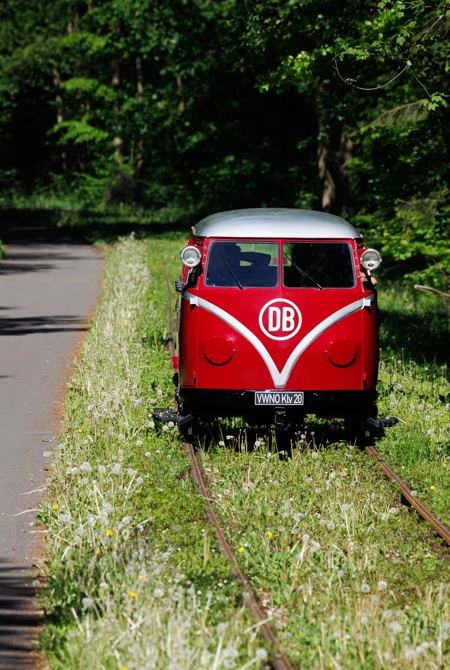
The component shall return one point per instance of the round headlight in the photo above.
(371, 259)
(191, 256)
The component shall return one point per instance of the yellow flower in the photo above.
(432, 487)
(98, 552)
(110, 532)
(133, 594)
(241, 550)
(269, 533)
(346, 469)
(80, 430)
(56, 507)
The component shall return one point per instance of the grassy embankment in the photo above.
(135, 578)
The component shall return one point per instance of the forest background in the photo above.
(145, 112)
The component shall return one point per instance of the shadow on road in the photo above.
(41, 324)
(54, 226)
(19, 618)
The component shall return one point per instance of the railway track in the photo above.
(278, 660)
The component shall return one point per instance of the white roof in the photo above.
(282, 222)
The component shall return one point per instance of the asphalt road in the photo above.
(48, 290)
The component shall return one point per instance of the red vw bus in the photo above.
(277, 319)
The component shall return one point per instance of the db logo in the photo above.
(280, 319)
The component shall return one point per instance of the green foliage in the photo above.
(193, 107)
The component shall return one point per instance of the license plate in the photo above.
(279, 398)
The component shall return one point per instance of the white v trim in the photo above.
(280, 378)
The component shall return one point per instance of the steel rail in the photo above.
(415, 502)
(277, 659)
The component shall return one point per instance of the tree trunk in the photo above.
(116, 84)
(325, 174)
(59, 113)
(140, 98)
(323, 152)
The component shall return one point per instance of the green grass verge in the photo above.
(135, 579)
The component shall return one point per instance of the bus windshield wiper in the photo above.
(302, 272)
(234, 276)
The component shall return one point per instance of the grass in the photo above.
(134, 575)
(135, 579)
(349, 576)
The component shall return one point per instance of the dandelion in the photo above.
(101, 469)
(151, 424)
(314, 454)
(117, 469)
(345, 507)
(396, 627)
(171, 424)
(331, 525)
(98, 552)
(385, 517)
(382, 585)
(364, 620)
(47, 454)
(86, 467)
(365, 588)
(139, 443)
(221, 629)
(132, 594)
(165, 427)
(258, 444)
(432, 487)
(109, 532)
(229, 437)
(241, 550)
(221, 443)
(80, 430)
(56, 507)
(270, 534)
(87, 603)
(261, 654)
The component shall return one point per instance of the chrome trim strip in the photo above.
(279, 378)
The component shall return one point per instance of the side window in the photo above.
(318, 264)
(242, 264)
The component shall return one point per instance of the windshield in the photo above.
(242, 264)
(318, 265)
